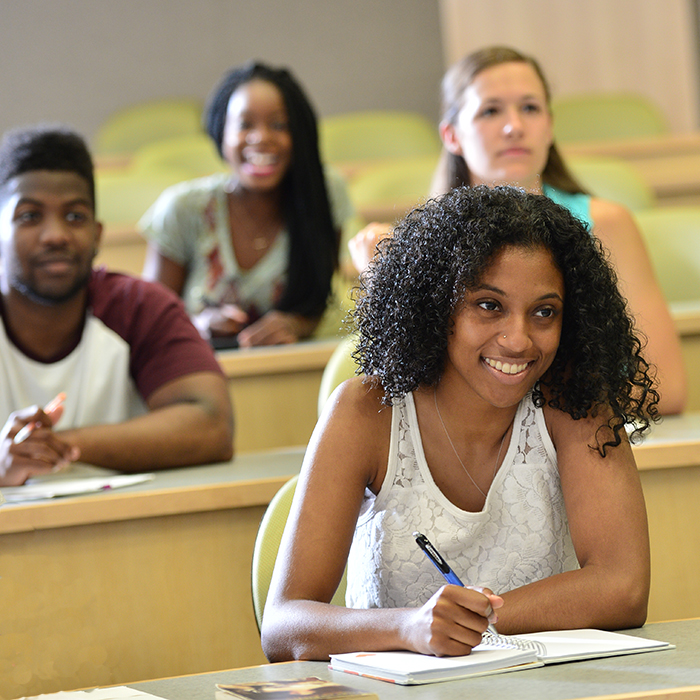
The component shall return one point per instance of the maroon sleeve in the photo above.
(152, 320)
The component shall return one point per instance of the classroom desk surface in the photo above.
(248, 480)
(594, 678)
(154, 580)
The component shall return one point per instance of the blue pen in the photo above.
(440, 564)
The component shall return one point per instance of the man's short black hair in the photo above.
(45, 147)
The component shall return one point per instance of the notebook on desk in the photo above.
(496, 654)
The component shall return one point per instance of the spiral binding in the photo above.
(504, 641)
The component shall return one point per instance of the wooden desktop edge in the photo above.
(648, 147)
(310, 355)
(125, 505)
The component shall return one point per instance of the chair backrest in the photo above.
(125, 131)
(401, 184)
(191, 153)
(613, 179)
(339, 367)
(123, 197)
(266, 546)
(672, 235)
(377, 135)
(599, 116)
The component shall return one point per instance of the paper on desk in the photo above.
(119, 693)
(71, 487)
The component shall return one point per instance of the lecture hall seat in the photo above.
(602, 116)
(266, 546)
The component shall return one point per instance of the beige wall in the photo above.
(647, 46)
(77, 61)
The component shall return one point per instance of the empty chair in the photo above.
(386, 191)
(128, 129)
(123, 197)
(377, 135)
(267, 543)
(193, 154)
(613, 179)
(672, 235)
(599, 116)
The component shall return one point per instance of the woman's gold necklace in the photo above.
(257, 242)
(459, 459)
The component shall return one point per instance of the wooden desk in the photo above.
(637, 674)
(670, 163)
(669, 468)
(147, 581)
(686, 316)
(274, 391)
(154, 580)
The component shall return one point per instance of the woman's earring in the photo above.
(504, 336)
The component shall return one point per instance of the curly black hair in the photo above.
(408, 296)
(45, 147)
(313, 255)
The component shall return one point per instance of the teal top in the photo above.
(578, 204)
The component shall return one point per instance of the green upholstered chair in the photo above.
(194, 154)
(266, 546)
(672, 235)
(340, 367)
(599, 116)
(125, 131)
(123, 197)
(377, 135)
(393, 186)
(613, 179)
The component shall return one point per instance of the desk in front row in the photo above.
(637, 674)
(154, 580)
(275, 389)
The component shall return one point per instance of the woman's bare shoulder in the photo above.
(354, 431)
(361, 396)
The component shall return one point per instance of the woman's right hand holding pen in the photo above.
(452, 622)
(29, 446)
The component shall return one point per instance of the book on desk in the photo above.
(495, 654)
(312, 688)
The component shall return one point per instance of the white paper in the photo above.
(71, 487)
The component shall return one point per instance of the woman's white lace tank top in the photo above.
(521, 535)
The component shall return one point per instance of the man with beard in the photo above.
(138, 388)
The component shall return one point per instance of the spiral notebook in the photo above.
(495, 654)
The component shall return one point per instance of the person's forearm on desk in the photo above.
(278, 328)
(189, 422)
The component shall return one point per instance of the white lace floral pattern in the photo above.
(520, 536)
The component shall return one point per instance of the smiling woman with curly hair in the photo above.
(501, 368)
(438, 252)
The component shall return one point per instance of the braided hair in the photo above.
(314, 242)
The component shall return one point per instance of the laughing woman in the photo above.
(501, 367)
(253, 251)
